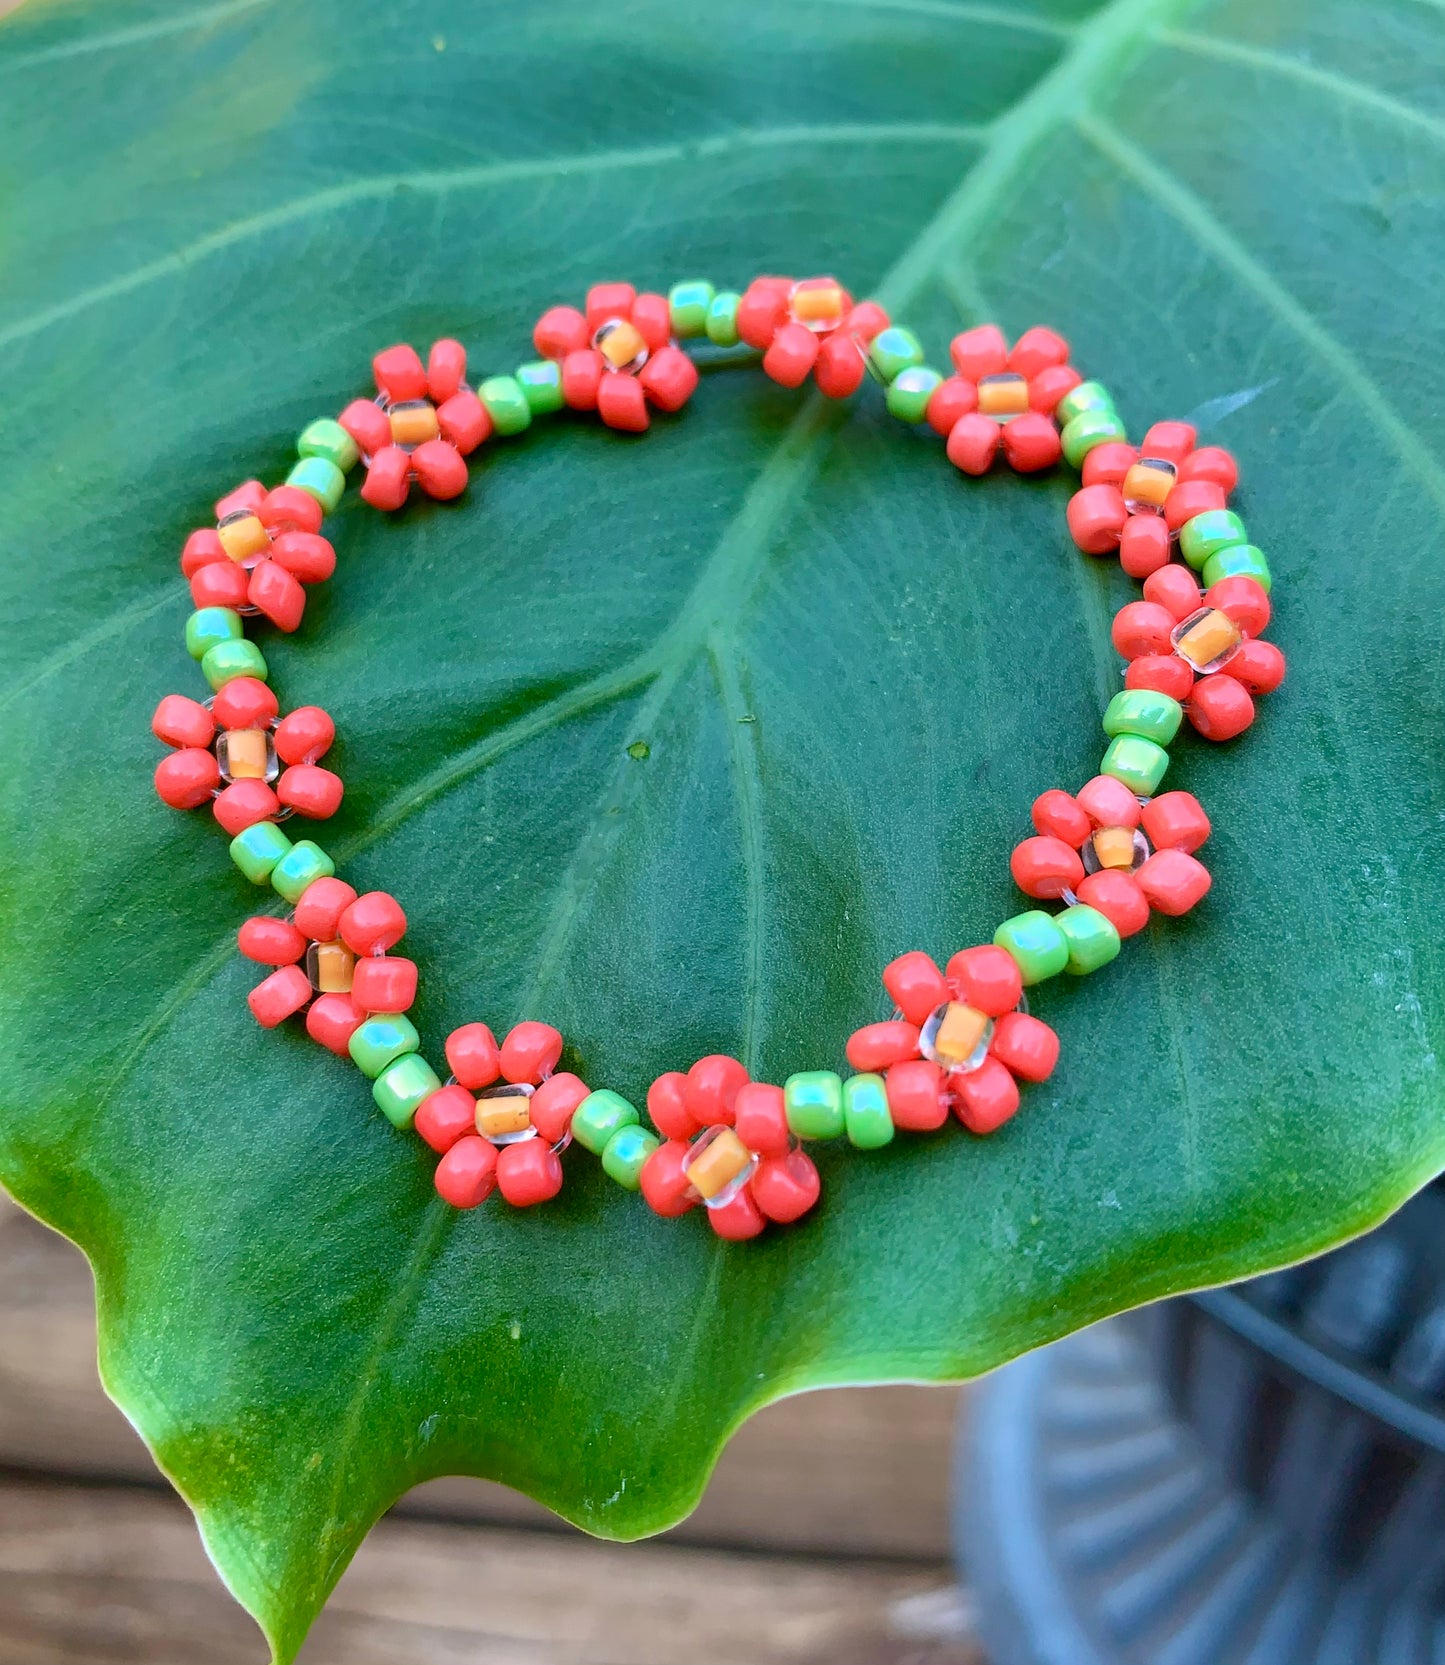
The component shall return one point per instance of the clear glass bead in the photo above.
(330, 966)
(1119, 849)
(504, 1113)
(247, 754)
(1147, 484)
(956, 1036)
(1003, 396)
(621, 345)
(1207, 640)
(818, 304)
(719, 1164)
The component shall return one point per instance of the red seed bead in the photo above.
(1212, 463)
(1049, 386)
(559, 331)
(373, 923)
(368, 425)
(1219, 707)
(713, 1085)
(400, 373)
(473, 1055)
(470, 1171)
(669, 378)
(187, 778)
(383, 983)
(220, 584)
(244, 702)
(1260, 666)
(581, 378)
(791, 355)
(622, 404)
(304, 734)
(1056, 815)
(1164, 673)
(1190, 498)
(530, 1051)
(553, 1105)
(388, 479)
(609, 300)
(307, 556)
(446, 369)
(973, 443)
(865, 320)
(311, 791)
(738, 1220)
(289, 509)
(250, 494)
(1096, 518)
(840, 369)
(760, 312)
(202, 548)
(1036, 350)
(786, 1186)
(1107, 464)
(1174, 588)
(331, 1020)
(270, 941)
(667, 1105)
(1176, 821)
(320, 907)
(280, 995)
(1108, 802)
(1169, 442)
(1244, 600)
(917, 1096)
(440, 469)
(987, 978)
(528, 1173)
(1118, 897)
(1142, 627)
(243, 803)
(876, 1046)
(182, 722)
(443, 1117)
(955, 396)
(274, 592)
(979, 352)
(652, 319)
(1030, 443)
(464, 421)
(985, 1098)
(1143, 545)
(916, 984)
(760, 1118)
(1026, 1045)
(1046, 867)
(1173, 881)
(666, 1189)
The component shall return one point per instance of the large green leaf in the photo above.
(852, 670)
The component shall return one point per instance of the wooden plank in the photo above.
(91, 1577)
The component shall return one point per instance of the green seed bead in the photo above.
(541, 385)
(1243, 560)
(506, 404)
(401, 1087)
(228, 660)
(814, 1103)
(910, 391)
(599, 1116)
(892, 351)
(1208, 533)
(722, 318)
(1038, 946)
(1139, 763)
(302, 863)
(1086, 396)
(1144, 712)
(1092, 939)
(625, 1152)
(1088, 429)
(381, 1040)
(256, 850)
(328, 439)
(865, 1112)
(687, 307)
(322, 478)
(207, 627)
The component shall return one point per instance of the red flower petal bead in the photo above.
(468, 1172)
(307, 556)
(528, 1173)
(877, 1046)
(1056, 815)
(553, 1104)
(1107, 464)
(270, 941)
(331, 1020)
(283, 993)
(1164, 673)
(400, 373)
(368, 425)
(652, 319)
(666, 1189)
(1174, 588)
(1118, 897)
(785, 1187)
(1259, 666)
(760, 1119)
(1046, 867)
(985, 1098)
(187, 778)
(952, 398)
(1142, 627)
(737, 1220)
(713, 1085)
(916, 984)
(250, 494)
(1190, 498)
(1038, 349)
(244, 702)
(1108, 802)
(310, 791)
(243, 803)
(622, 404)
(917, 1096)
(440, 469)
(304, 734)
(1212, 463)
(319, 910)
(388, 480)
(840, 369)
(446, 369)
(761, 310)
(1096, 517)
(979, 352)
(1031, 443)
(289, 509)
(791, 355)
(1143, 545)
(667, 1105)
(1173, 881)
(274, 592)
(669, 378)
(445, 1116)
(202, 548)
(973, 443)
(1219, 707)
(1244, 600)
(987, 978)
(373, 923)
(1049, 386)
(383, 983)
(473, 1055)
(221, 584)
(1169, 441)
(1026, 1045)
(609, 300)
(464, 421)
(865, 320)
(581, 378)
(559, 331)
(530, 1052)
(182, 722)
(1176, 821)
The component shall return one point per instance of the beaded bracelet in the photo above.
(960, 1038)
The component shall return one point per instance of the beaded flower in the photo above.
(618, 356)
(264, 547)
(1004, 399)
(811, 326)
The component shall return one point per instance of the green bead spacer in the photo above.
(1207, 534)
(401, 1087)
(909, 392)
(1242, 560)
(381, 1040)
(624, 1154)
(893, 351)
(322, 478)
(1144, 712)
(599, 1116)
(1039, 948)
(865, 1112)
(1093, 941)
(208, 627)
(1086, 396)
(1139, 763)
(687, 307)
(257, 849)
(1088, 429)
(722, 319)
(506, 404)
(302, 863)
(328, 439)
(228, 660)
(541, 385)
(814, 1104)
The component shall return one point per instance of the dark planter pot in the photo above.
(1254, 1476)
